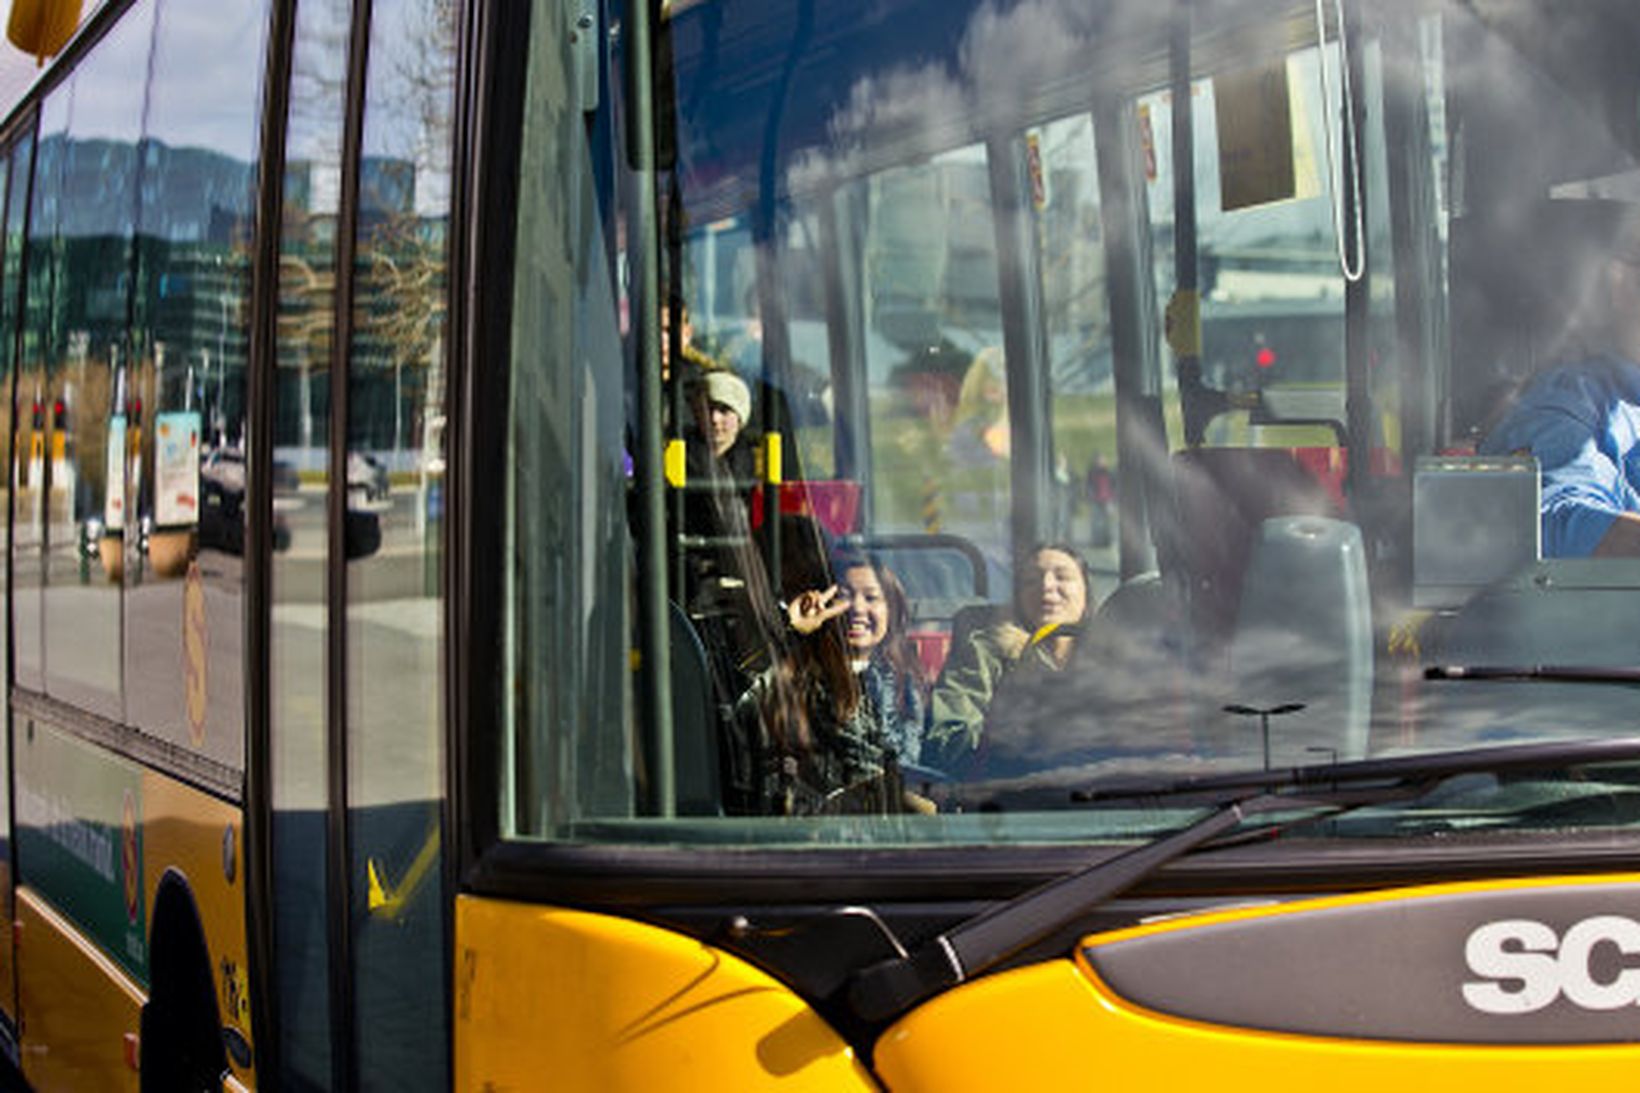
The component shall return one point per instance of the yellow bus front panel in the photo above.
(1311, 994)
(570, 1000)
(1048, 1027)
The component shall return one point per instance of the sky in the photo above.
(207, 90)
(19, 70)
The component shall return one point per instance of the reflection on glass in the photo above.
(34, 437)
(1293, 537)
(721, 276)
(298, 629)
(18, 165)
(88, 346)
(809, 397)
(934, 364)
(10, 268)
(179, 405)
(570, 688)
(1383, 331)
(394, 483)
(1272, 293)
(1061, 165)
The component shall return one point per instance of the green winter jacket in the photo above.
(969, 682)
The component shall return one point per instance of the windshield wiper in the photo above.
(884, 990)
(1551, 673)
(1500, 758)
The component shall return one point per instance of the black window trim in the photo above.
(483, 90)
(338, 845)
(629, 880)
(487, 152)
(263, 363)
(22, 130)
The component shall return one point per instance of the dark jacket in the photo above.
(850, 765)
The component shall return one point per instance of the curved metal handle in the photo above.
(1358, 270)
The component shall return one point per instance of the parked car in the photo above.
(222, 504)
(366, 477)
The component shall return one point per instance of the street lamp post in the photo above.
(1264, 713)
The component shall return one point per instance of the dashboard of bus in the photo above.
(976, 423)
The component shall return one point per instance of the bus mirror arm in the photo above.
(883, 991)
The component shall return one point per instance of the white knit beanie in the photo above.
(731, 391)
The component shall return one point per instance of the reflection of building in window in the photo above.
(190, 230)
(398, 306)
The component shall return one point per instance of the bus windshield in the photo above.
(923, 413)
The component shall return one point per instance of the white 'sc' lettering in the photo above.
(1513, 949)
(1578, 946)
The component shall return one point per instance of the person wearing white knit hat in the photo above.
(721, 470)
(729, 404)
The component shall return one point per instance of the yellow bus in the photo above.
(886, 544)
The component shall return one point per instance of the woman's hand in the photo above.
(1012, 639)
(809, 611)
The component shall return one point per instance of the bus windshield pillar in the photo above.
(1019, 291)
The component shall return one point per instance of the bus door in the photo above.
(356, 630)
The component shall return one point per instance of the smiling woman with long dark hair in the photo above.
(893, 688)
(841, 700)
(1052, 595)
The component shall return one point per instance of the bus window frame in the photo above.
(22, 126)
(481, 329)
